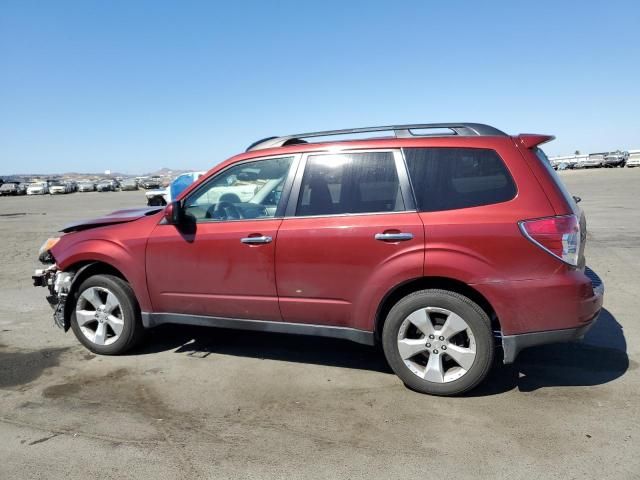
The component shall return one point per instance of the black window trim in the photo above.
(401, 171)
(286, 188)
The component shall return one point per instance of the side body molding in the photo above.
(359, 336)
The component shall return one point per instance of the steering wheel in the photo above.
(225, 211)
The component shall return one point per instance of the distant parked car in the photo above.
(105, 186)
(11, 188)
(633, 160)
(615, 160)
(162, 197)
(129, 184)
(591, 161)
(86, 187)
(568, 160)
(151, 182)
(38, 188)
(58, 188)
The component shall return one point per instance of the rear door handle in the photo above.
(256, 240)
(393, 237)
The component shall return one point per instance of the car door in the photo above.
(350, 234)
(220, 261)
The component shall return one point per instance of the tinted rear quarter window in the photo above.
(453, 178)
(544, 160)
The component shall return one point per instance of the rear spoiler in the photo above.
(531, 140)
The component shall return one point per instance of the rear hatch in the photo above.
(561, 200)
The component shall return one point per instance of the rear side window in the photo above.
(452, 178)
(336, 184)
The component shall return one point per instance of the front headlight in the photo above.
(43, 254)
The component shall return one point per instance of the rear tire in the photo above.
(106, 317)
(438, 342)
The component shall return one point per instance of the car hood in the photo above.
(119, 216)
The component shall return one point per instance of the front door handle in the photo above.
(256, 240)
(394, 237)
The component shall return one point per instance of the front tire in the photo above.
(438, 342)
(106, 316)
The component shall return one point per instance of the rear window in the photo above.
(556, 179)
(453, 178)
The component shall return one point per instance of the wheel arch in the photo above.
(83, 270)
(87, 268)
(444, 283)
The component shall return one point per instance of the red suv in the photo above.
(439, 242)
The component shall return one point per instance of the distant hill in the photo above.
(163, 172)
(167, 172)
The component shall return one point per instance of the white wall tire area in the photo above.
(105, 316)
(438, 342)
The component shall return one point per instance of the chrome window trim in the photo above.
(205, 221)
(349, 214)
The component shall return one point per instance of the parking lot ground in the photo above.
(210, 403)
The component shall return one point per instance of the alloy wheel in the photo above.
(99, 315)
(436, 344)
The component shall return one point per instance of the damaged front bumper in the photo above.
(59, 284)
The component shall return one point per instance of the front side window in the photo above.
(452, 178)
(344, 183)
(245, 191)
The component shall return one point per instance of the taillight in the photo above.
(560, 236)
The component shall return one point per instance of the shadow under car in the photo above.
(599, 358)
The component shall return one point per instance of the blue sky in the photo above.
(137, 85)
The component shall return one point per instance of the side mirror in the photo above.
(173, 213)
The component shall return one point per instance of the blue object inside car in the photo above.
(180, 183)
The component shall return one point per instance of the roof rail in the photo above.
(400, 131)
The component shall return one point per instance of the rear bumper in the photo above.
(513, 344)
